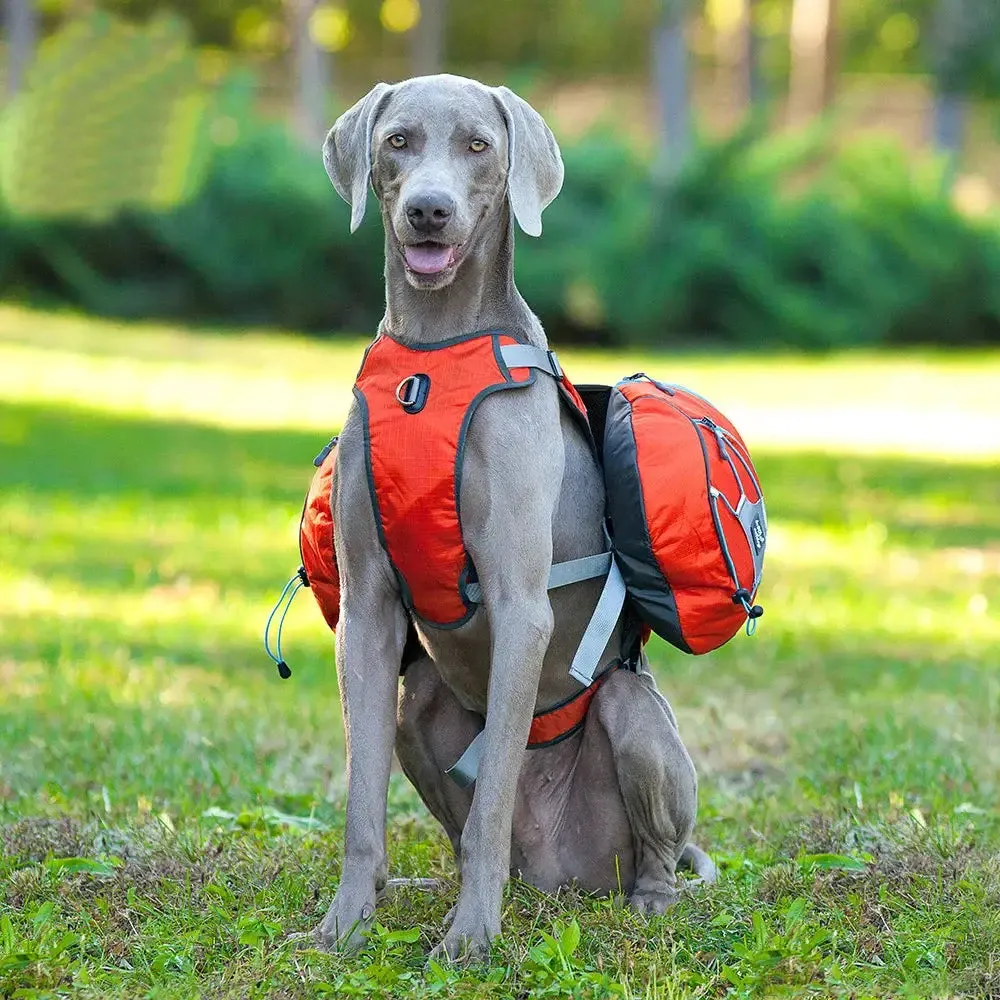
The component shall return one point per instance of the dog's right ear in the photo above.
(347, 152)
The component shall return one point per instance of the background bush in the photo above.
(756, 242)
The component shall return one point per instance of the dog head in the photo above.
(443, 155)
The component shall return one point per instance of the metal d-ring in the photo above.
(411, 393)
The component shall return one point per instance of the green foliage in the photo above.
(754, 243)
(113, 116)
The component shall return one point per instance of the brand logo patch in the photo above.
(759, 534)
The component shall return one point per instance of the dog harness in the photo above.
(684, 500)
(417, 404)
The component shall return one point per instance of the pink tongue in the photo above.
(430, 258)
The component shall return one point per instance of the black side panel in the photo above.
(648, 588)
(596, 398)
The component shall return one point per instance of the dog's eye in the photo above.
(478, 145)
(397, 141)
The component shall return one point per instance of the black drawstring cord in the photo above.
(295, 584)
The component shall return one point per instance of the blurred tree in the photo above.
(427, 38)
(312, 70)
(737, 49)
(671, 87)
(813, 51)
(20, 24)
(965, 57)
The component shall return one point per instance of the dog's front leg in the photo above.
(370, 641)
(521, 632)
(509, 536)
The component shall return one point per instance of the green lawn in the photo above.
(150, 486)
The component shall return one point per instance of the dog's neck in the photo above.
(481, 297)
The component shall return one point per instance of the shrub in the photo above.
(737, 248)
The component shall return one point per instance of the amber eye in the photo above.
(478, 145)
(397, 141)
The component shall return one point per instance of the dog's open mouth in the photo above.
(430, 258)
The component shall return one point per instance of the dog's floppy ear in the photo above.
(535, 169)
(347, 152)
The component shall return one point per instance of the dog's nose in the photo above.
(430, 212)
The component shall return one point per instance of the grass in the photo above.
(170, 810)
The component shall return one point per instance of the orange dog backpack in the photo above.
(685, 509)
(687, 513)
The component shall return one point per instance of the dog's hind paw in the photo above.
(696, 860)
(395, 885)
(653, 900)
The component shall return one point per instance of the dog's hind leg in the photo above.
(657, 781)
(432, 732)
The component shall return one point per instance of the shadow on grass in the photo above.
(76, 452)
(88, 455)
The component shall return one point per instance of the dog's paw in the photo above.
(345, 924)
(653, 900)
(463, 949)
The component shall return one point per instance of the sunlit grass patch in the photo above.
(934, 404)
(150, 487)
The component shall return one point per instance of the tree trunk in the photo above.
(738, 58)
(428, 38)
(312, 76)
(813, 43)
(956, 27)
(20, 23)
(671, 90)
(949, 131)
(751, 48)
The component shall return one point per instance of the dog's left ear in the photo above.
(347, 152)
(535, 170)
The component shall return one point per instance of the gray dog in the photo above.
(454, 163)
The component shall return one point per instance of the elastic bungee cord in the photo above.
(294, 585)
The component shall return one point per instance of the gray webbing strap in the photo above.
(526, 356)
(592, 645)
(575, 570)
(561, 575)
(463, 771)
(602, 624)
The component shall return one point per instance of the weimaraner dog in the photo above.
(454, 164)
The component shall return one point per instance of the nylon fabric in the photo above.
(562, 574)
(683, 551)
(416, 461)
(319, 558)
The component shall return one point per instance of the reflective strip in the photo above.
(526, 356)
(463, 772)
(601, 626)
(753, 521)
(561, 575)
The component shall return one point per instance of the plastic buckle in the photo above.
(322, 456)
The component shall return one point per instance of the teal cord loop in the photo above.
(753, 611)
(294, 585)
